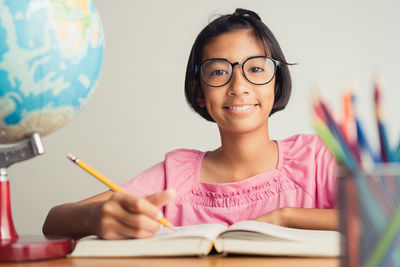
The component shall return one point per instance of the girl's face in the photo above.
(239, 106)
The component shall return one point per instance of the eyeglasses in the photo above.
(259, 70)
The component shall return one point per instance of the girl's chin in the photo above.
(241, 128)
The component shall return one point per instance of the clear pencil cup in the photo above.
(369, 206)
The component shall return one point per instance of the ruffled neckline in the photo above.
(253, 189)
(251, 181)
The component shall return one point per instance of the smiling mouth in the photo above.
(240, 108)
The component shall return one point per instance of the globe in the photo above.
(51, 56)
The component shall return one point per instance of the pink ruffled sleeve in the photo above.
(148, 182)
(309, 163)
(176, 171)
(326, 177)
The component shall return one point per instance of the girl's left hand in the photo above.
(304, 218)
(276, 217)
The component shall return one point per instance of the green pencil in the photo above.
(385, 242)
(328, 139)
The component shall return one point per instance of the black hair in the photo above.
(240, 19)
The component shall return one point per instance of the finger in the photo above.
(117, 222)
(134, 204)
(135, 233)
(107, 219)
(162, 198)
(125, 232)
(140, 222)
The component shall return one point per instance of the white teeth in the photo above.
(241, 108)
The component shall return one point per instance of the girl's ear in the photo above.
(201, 102)
(200, 96)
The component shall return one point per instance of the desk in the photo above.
(217, 261)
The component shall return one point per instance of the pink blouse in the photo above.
(305, 177)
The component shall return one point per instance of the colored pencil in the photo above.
(349, 128)
(383, 140)
(328, 138)
(317, 110)
(108, 182)
(362, 138)
(349, 159)
(348, 123)
(385, 241)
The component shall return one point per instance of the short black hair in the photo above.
(240, 19)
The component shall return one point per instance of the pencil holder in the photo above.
(369, 206)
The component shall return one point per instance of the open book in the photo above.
(245, 237)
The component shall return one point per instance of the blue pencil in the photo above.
(364, 144)
(361, 137)
(384, 143)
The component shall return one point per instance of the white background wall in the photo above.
(138, 111)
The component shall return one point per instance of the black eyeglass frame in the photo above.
(198, 69)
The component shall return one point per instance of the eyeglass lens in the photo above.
(257, 70)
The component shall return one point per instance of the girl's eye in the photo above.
(256, 69)
(218, 72)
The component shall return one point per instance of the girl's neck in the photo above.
(240, 157)
(245, 149)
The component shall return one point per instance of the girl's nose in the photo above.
(238, 84)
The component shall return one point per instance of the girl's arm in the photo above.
(108, 215)
(304, 218)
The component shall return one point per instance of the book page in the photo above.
(279, 247)
(184, 246)
(209, 231)
(184, 241)
(275, 231)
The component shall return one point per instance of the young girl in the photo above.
(236, 77)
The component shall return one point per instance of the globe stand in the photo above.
(12, 246)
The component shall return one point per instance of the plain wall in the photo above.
(138, 111)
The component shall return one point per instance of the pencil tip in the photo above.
(315, 91)
(315, 97)
(170, 226)
(378, 79)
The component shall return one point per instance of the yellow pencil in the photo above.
(108, 182)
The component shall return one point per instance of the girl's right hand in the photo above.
(126, 216)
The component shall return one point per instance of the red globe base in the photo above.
(28, 248)
(25, 248)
